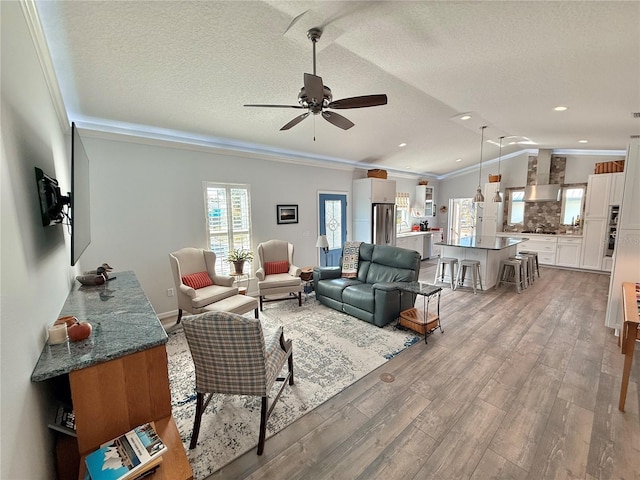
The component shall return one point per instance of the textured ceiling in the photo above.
(186, 68)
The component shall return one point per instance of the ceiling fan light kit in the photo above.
(316, 98)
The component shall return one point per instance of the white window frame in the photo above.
(235, 230)
(565, 191)
(520, 192)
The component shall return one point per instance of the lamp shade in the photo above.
(322, 242)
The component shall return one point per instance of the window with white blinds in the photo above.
(228, 220)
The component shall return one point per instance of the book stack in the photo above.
(64, 420)
(130, 456)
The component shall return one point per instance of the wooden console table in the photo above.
(628, 335)
(118, 377)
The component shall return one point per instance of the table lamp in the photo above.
(323, 243)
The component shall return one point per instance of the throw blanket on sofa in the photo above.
(350, 256)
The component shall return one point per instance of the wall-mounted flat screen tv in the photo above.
(80, 196)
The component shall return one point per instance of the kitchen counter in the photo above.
(411, 233)
(485, 243)
(489, 251)
(520, 234)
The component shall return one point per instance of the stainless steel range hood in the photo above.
(543, 191)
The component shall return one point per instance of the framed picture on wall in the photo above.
(287, 213)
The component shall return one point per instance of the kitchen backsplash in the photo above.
(542, 213)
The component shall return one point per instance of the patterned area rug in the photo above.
(331, 351)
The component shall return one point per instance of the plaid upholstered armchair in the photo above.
(233, 356)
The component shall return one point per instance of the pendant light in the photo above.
(497, 198)
(479, 198)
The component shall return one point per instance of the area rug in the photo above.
(331, 351)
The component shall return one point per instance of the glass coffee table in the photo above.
(421, 321)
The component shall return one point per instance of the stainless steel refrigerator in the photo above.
(383, 225)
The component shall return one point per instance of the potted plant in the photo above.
(238, 257)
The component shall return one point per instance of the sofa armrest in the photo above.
(190, 292)
(260, 274)
(325, 273)
(223, 280)
(386, 286)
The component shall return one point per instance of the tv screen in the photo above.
(80, 194)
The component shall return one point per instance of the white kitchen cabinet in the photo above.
(411, 242)
(629, 217)
(626, 257)
(373, 190)
(617, 188)
(436, 236)
(424, 204)
(593, 235)
(568, 252)
(492, 212)
(544, 246)
(598, 192)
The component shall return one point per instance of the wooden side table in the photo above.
(423, 322)
(239, 276)
(306, 276)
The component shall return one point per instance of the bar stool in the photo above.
(532, 265)
(474, 265)
(524, 268)
(508, 270)
(444, 261)
(535, 254)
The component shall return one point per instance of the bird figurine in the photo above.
(95, 277)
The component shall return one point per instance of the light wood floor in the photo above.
(518, 387)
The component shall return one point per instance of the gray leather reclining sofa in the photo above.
(372, 295)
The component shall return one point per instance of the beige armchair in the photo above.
(197, 285)
(277, 274)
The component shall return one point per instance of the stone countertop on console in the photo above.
(484, 243)
(123, 322)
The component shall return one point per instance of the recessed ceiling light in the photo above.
(583, 141)
(402, 145)
(560, 108)
(465, 117)
(458, 159)
(407, 167)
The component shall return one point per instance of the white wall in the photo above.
(35, 265)
(514, 174)
(147, 200)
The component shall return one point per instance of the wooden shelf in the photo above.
(113, 397)
(174, 462)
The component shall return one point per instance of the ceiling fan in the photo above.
(316, 98)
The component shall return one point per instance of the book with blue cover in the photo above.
(126, 456)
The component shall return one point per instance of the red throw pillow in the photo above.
(197, 280)
(271, 268)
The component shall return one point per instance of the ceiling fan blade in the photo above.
(295, 121)
(314, 88)
(360, 102)
(338, 120)
(273, 106)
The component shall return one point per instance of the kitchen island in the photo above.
(488, 250)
